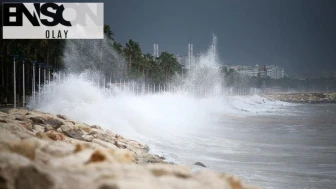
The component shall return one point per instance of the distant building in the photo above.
(262, 72)
(251, 71)
(156, 50)
(182, 59)
(275, 72)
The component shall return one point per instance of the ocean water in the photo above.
(292, 149)
(268, 143)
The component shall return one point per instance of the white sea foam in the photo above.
(78, 96)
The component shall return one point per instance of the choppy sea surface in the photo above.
(291, 146)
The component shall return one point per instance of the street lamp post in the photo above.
(23, 83)
(49, 70)
(33, 80)
(14, 77)
(39, 83)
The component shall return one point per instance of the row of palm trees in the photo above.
(145, 66)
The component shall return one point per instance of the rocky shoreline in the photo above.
(312, 98)
(44, 151)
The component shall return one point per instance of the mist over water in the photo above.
(264, 142)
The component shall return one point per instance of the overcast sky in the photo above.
(299, 35)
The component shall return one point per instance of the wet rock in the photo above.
(199, 164)
(74, 133)
(55, 123)
(61, 116)
(120, 145)
(37, 120)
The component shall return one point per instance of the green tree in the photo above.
(169, 65)
(108, 32)
(132, 52)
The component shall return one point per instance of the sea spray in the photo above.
(83, 94)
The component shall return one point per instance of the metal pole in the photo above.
(14, 77)
(124, 85)
(39, 83)
(44, 76)
(49, 75)
(33, 81)
(110, 86)
(59, 77)
(23, 84)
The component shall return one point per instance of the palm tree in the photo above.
(108, 33)
(118, 48)
(169, 64)
(132, 51)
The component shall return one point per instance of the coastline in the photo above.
(311, 98)
(41, 150)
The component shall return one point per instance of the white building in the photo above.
(251, 71)
(275, 72)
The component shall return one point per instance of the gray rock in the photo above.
(61, 116)
(55, 123)
(74, 133)
(199, 164)
(38, 120)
